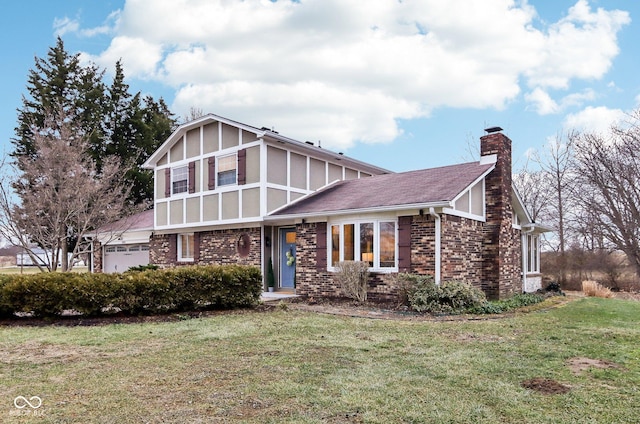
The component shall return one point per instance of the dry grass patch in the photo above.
(579, 365)
(594, 289)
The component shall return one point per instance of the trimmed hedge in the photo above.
(131, 293)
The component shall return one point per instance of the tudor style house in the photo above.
(227, 192)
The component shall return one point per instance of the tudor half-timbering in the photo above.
(226, 192)
(215, 182)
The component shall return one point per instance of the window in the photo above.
(533, 254)
(227, 166)
(185, 247)
(180, 180)
(377, 243)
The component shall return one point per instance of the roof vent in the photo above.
(491, 130)
(309, 143)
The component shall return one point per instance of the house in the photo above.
(122, 244)
(226, 192)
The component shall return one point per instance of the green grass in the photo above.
(295, 367)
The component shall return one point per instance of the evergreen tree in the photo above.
(114, 122)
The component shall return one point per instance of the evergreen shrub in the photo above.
(131, 293)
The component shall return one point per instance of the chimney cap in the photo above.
(491, 130)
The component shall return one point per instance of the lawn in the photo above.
(301, 367)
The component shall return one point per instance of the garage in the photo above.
(122, 257)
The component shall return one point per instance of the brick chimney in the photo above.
(501, 276)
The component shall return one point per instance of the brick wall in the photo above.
(461, 247)
(502, 250)
(423, 242)
(219, 247)
(97, 256)
(311, 281)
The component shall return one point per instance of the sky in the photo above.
(401, 84)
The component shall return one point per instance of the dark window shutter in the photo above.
(321, 246)
(242, 167)
(192, 177)
(212, 173)
(167, 182)
(404, 243)
(173, 248)
(196, 247)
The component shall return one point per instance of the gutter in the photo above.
(438, 264)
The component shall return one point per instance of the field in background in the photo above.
(575, 363)
(33, 269)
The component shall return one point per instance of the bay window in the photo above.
(376, 244)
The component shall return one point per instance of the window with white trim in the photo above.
(227, 170)
(185, 247)
(533, 253)
(180, 180)
(371, 241)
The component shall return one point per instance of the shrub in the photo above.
(505, 305)
(138, 268)
(353, 276)
(150, 291)
(592, 288)
(424, 295)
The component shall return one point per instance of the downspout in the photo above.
(438, 264)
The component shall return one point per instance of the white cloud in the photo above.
(65, 25)
(543, 104)
(595, 119)
(347, 70)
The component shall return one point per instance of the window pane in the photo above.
(186, 246)
(366, 243)
(335, 244)
(179, 180)
(529, 253)
(387, 244)
(227, 177)
(227, 170)
(349, 242)
(534, 249)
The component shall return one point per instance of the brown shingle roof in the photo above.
(138, 222)
(407, 188)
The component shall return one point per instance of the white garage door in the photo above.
(121, 258)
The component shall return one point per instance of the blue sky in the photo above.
(403, 85)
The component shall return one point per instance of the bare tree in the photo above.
(59, 194)
(533, 188)
(194, 113)
(556, 165)
(608, 169)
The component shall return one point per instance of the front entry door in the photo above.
(287, 257)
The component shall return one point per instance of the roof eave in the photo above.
(377, 209)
